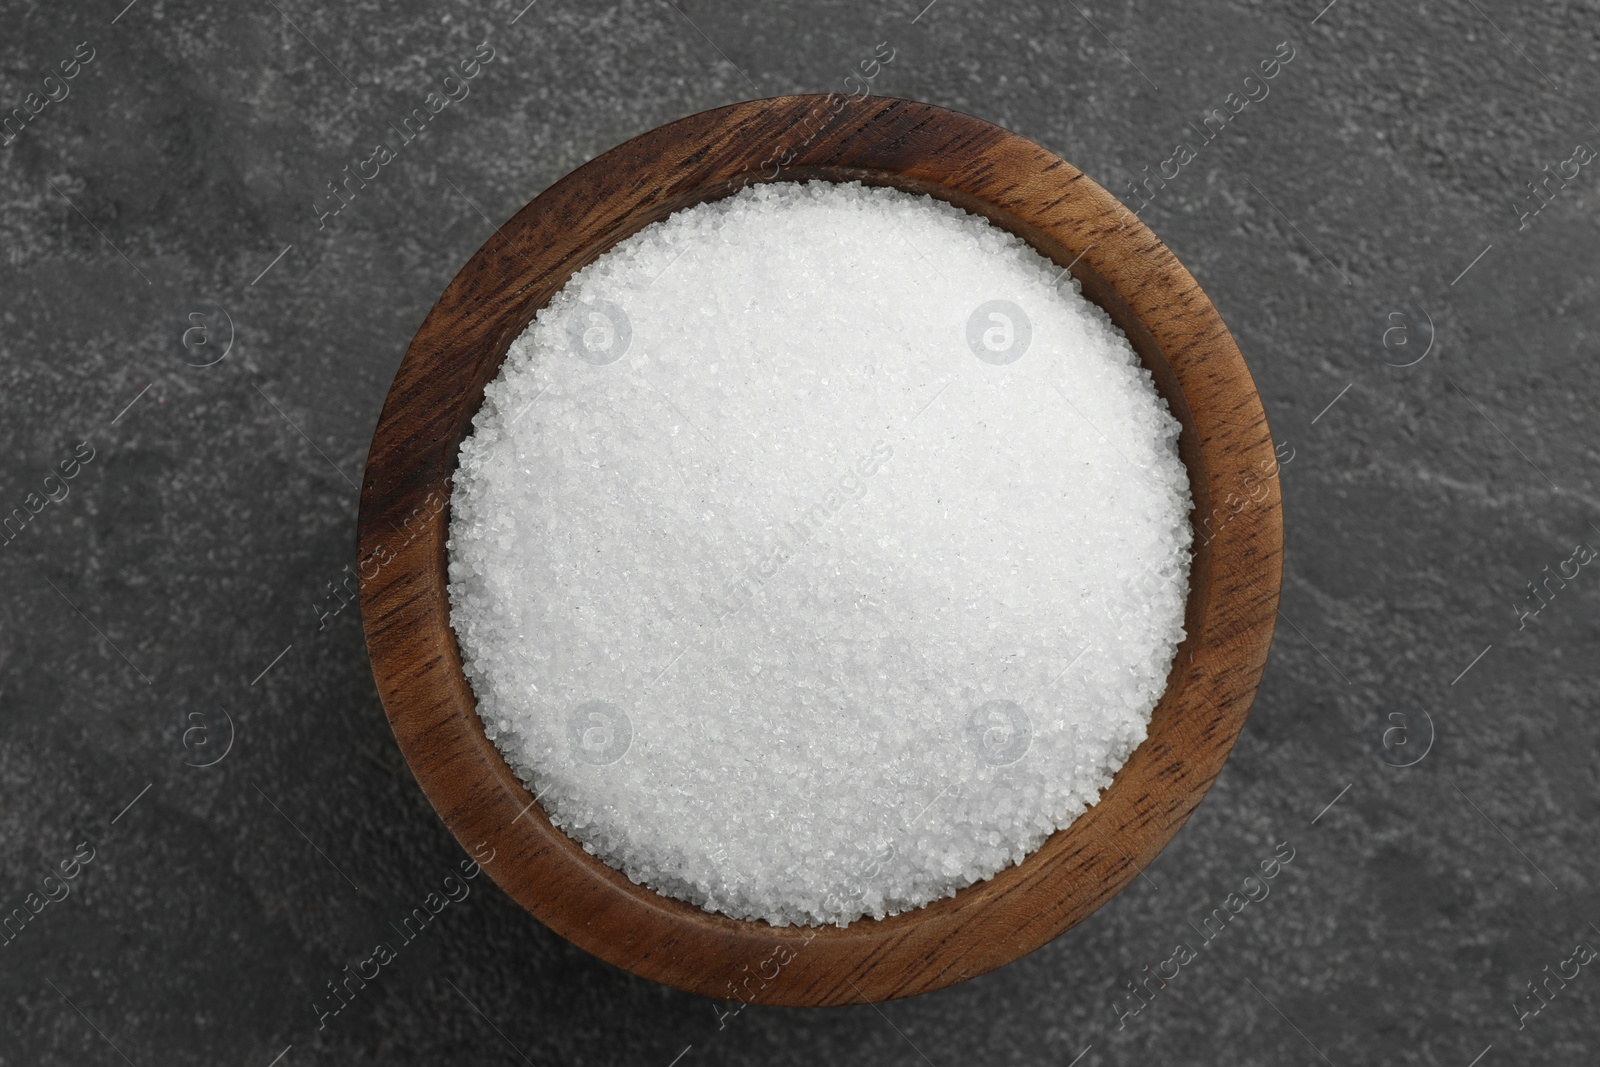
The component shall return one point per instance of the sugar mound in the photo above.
(818, 552)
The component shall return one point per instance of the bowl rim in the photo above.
(403, 526)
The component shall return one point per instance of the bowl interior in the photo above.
(1121, 267)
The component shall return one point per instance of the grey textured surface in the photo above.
(198, 543)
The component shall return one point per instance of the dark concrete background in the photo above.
(196, 546)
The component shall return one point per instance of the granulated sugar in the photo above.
(818, 552)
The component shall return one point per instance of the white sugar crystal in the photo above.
(818, 553)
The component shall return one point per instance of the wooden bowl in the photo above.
(1019, 186)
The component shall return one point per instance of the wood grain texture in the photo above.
(1180, 337)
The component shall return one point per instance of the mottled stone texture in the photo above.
(199, 541)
